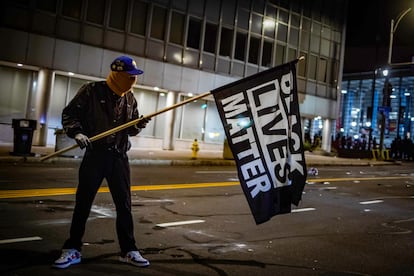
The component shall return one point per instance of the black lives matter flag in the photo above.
(261, 119)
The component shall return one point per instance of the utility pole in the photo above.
(387, 90)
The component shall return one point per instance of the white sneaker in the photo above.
(68, 257)
(134, 258)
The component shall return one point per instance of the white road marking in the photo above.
(371, 202)
(21, 240)
(303, 210)
(177, 223)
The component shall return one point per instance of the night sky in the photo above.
(368, 29)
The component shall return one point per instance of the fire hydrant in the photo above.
(194, 149)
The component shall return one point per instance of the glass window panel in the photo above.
(228, 11)
(159, 122)
(46, 5)
(283, 16)
(325, 47)
(280, 54)
(258, 6)
(254, 50)
(292, 54)
(196, 7)
(243, 19)
(304, 41)
(194, 33)
(302, 65)
(118, 14)
(210, 38)
(212, 10)
(312, 67)
(14, 93)
(306, 25)
(96, 11)
(295, 20)
(269, 26)
(139, 18)
(193, 126)
(72, 8)
(58, 101)
(257, 22)
(158, 22)
(322, 70)
(326, 32)
(214, 132)
(177, 28)
(282, 32)
(294, 37)
(240, 50)
(314, 46)
(271, 11)
(267, 53)
(147, 104)
(179, 4)
(244, 4)
(226, 42)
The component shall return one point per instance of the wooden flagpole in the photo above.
(126, 125)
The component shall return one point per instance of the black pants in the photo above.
(97, 165)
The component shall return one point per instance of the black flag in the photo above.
(261, 119)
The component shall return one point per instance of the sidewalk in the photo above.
(140, 156)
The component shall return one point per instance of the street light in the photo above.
(387, 86)
(392, 31)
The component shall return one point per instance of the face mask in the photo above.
(120, 82)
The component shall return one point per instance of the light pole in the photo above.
(386, 102)
(392, 31)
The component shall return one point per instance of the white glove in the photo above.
(82, 140)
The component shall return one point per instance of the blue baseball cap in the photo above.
(126, 64)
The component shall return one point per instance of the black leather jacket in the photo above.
(95, 109)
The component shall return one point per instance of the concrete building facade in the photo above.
(185, 47)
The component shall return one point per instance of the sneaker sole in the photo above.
(126, 261)
(65, 265)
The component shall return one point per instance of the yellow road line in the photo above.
(69, 191)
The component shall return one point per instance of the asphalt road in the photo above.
(351, 221)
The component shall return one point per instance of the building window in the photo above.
(322, 70)
(194, 33)
(240, 51)
(72, 8)
(257, 22)
(118, 14)
(226, 42)
(243, 19)
(210, 38)
(267, 54)
(46, 5)
(139, 18)
(280, 54)
(177, 27)
(254, 50)
(158, 22)
(96, 11)
(312, 67)
(282, 32)
(302, 65)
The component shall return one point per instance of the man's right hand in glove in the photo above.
(82, 140)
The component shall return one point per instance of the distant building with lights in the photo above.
(362, 100)
(51, 48)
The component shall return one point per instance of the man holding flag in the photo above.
(98, 107)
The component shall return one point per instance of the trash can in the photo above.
(23, 136)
